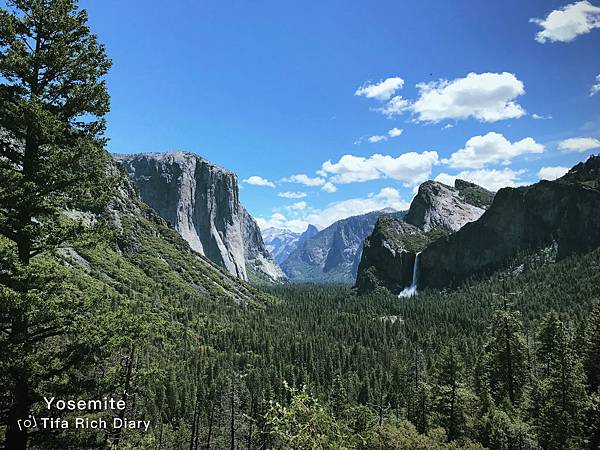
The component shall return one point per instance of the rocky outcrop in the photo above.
(473, 194)
(388, 255)
(437, 205)
(201, 201)
(146, 255)
(565, 211)
(281, 243)
(333, 254)
(437, 210)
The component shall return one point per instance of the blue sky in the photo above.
(274, 89)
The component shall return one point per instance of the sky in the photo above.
(327, 109)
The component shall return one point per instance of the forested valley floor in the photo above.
(511, 361)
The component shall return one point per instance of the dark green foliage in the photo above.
(559, 398)
(214, 363)
(474, 194)
(453, 401)
(592, 349)
(52, 102)
(194, 354)
(505, 358)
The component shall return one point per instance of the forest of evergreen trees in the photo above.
(508, 362)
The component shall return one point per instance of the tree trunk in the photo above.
(193, 438)
(210, 424)
(16, 438)
(251, 420)
(232, 421)
(452, 425)
(127, 385)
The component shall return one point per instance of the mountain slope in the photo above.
(388, 255)
(565, 211)
(201, 201)
(281, 243)
(333, 254)
(145, 251)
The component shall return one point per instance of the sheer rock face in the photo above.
(388, 255)
(437, 210)
(565, 211)
(439, 206)
(201, 201)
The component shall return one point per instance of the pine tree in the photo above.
(506, 357)
(560, 400)
(592, 349)
(338, 397)
(451, 398)
(52, 100)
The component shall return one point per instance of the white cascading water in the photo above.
(412, 289)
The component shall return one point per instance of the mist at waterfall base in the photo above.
(412, 289)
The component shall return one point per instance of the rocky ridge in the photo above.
(281, 243)
(437, 210)
(201, 201)
(145, 255)
(564, 212)
(333, 254)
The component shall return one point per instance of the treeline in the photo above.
(461, 368)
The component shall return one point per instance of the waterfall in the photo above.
(412, 289)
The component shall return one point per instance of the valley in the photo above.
(437, 287)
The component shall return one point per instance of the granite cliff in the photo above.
(201, 201)
(437, 210)
(565, 212)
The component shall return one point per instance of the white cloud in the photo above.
(565, 24)
(299, 206)
(395, 132)
(392, 133)
(396, 106)
(485, 96)
(579, 144)
(410, 168)
(596, 87)
(376, 138)
(292, 194)
(541, 117)
(386, 198)
(259, 181)
(305, 180)
(491, 148)
(329, 187)
(382, 90)
(300, 214)
(278, 220)
(489, 179)
(552, 173)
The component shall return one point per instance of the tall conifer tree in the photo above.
(52, 102)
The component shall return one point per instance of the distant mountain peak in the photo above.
(332, 255)
(312, 227)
